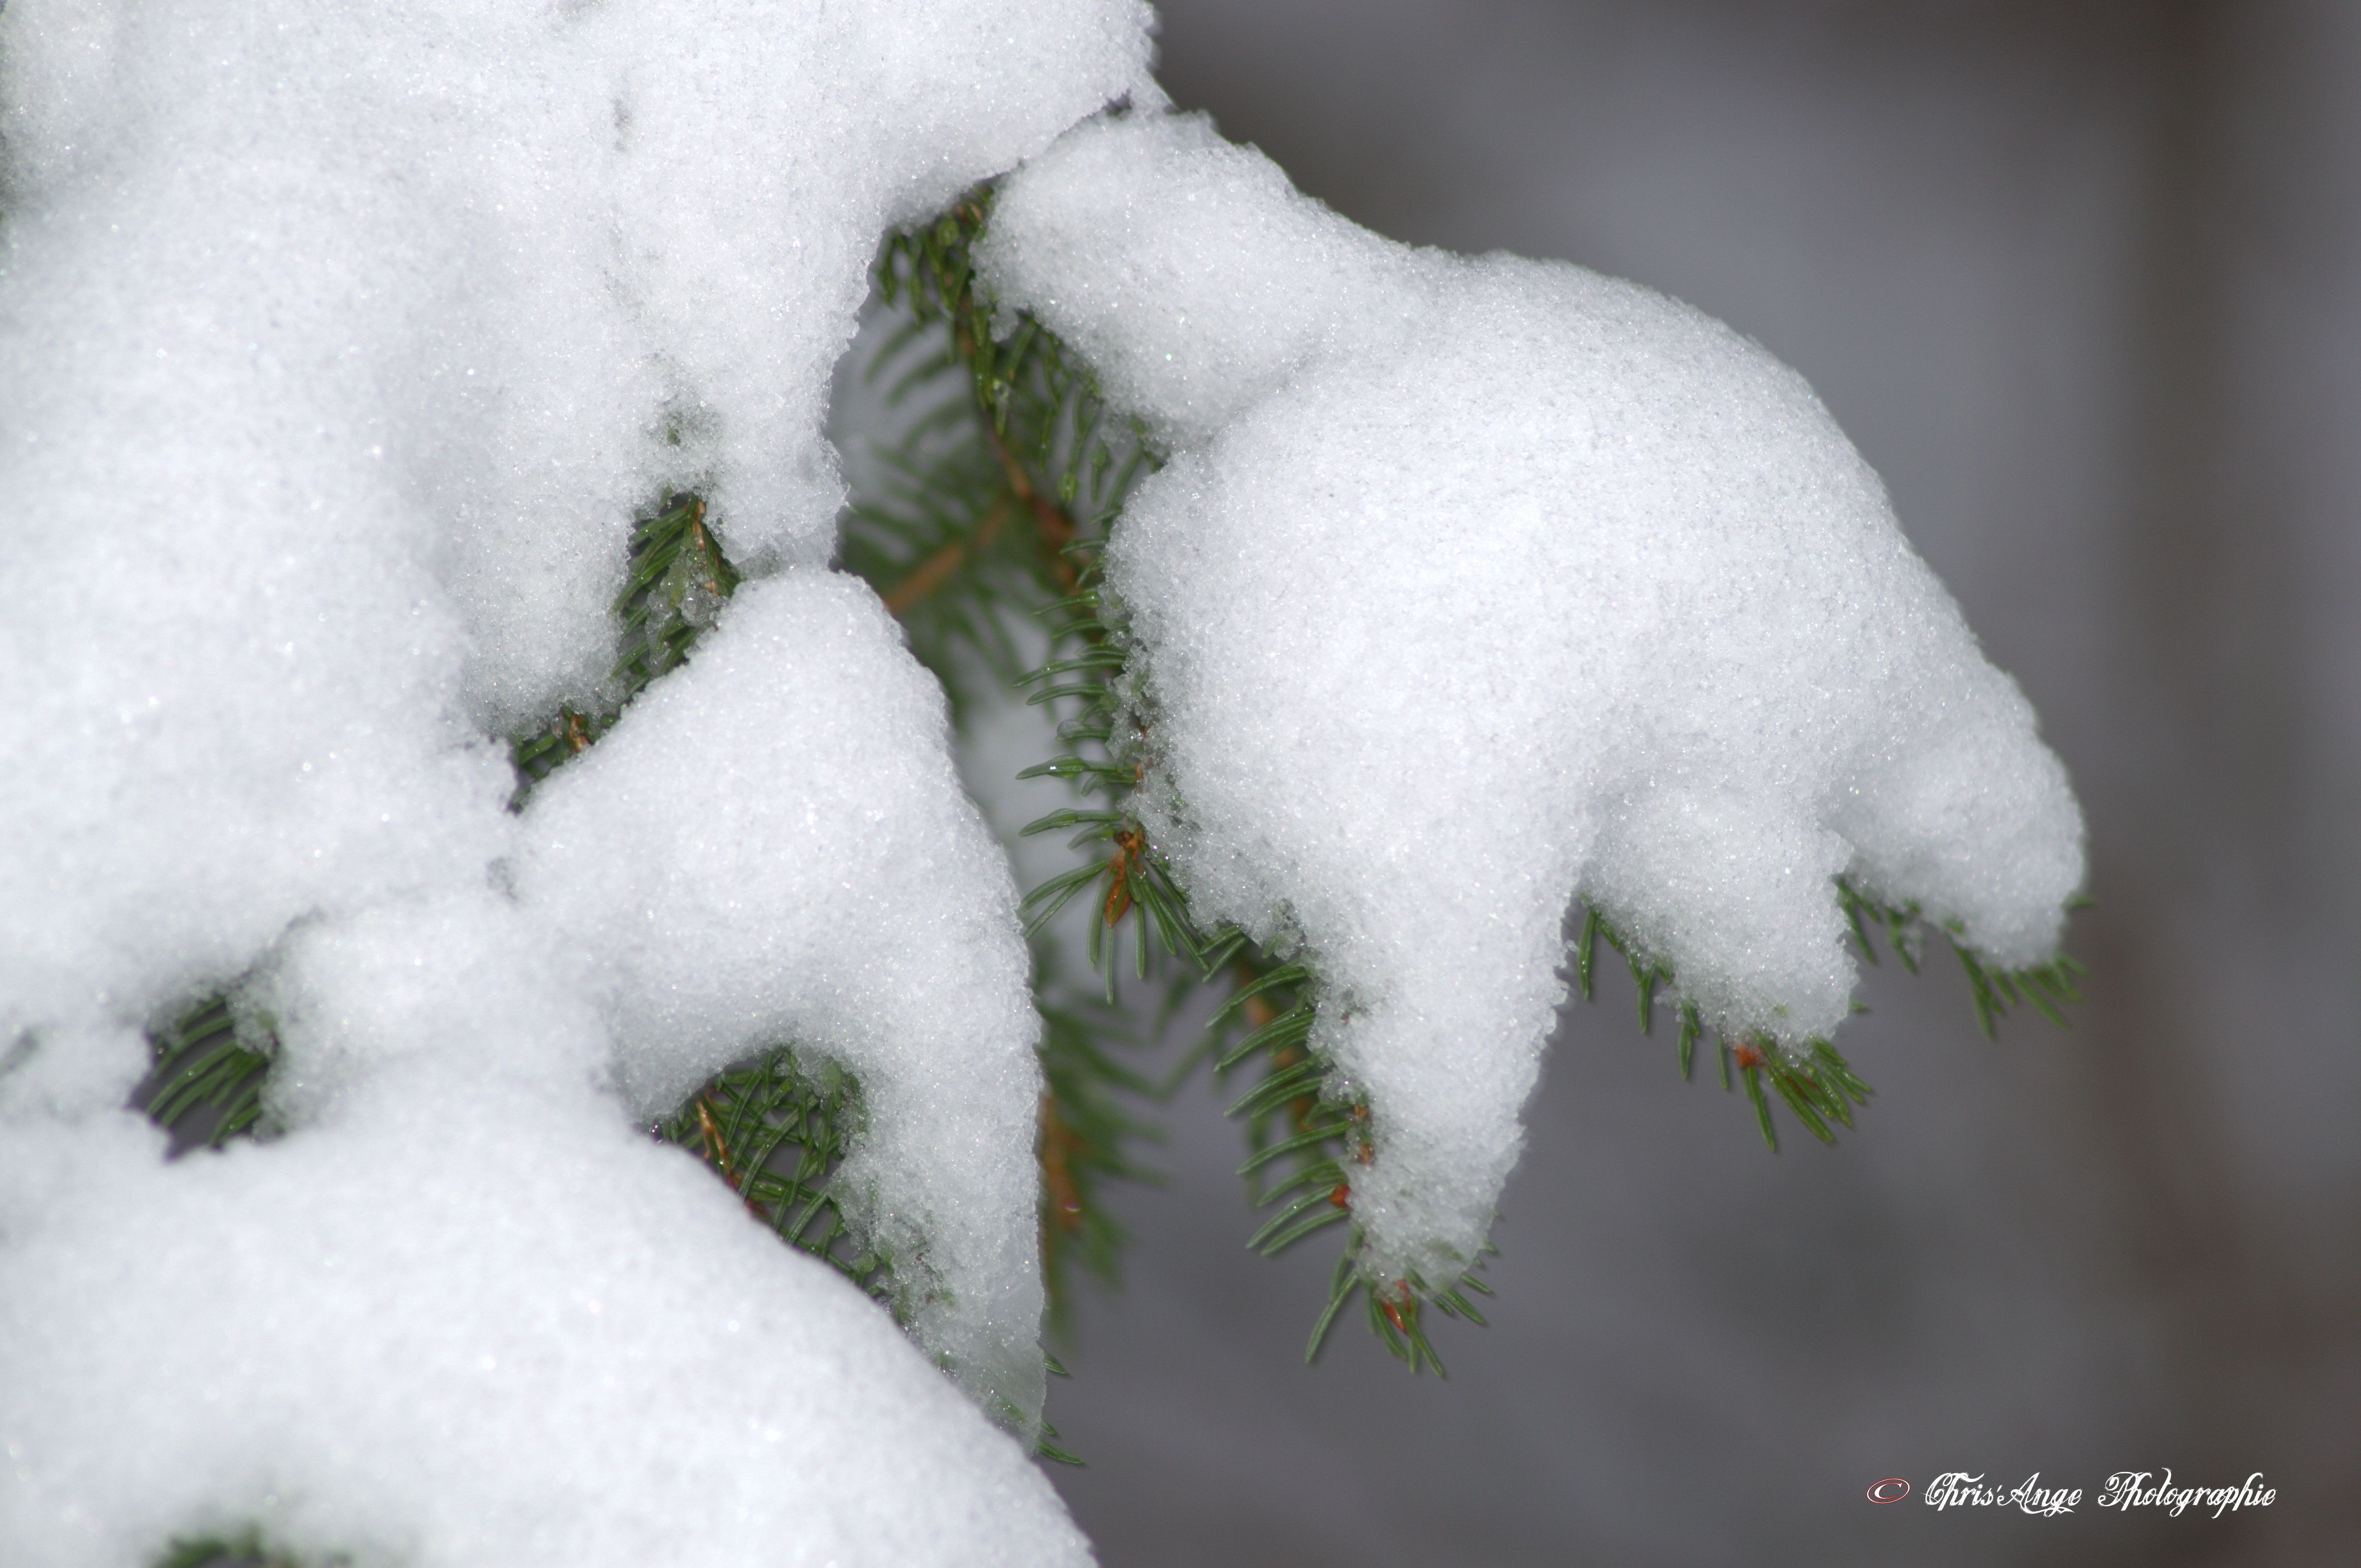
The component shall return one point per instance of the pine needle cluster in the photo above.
(243, 1549)
(775, 1130)
(1814, 1080)
(984, 538)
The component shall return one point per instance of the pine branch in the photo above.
(677, 581)
(775, 1131)
(1010, 458)
(996, 496)
(207, 1080)
(1323, 1142)
(1032, 429)
(206, 1086)
(246, 1549)
(1814, 1080)
(999, 500)
(1089, 1135)
(968, 532)
(1305, 1145)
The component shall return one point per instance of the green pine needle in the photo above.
(1816, 1083)
(775, 1130)
(206, 1086)
(245, 1549)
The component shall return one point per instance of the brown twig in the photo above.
(1130, 847)
(719, 1153)
(1059, 1144)
(1057, 529)
(702, 543)
(937, 569)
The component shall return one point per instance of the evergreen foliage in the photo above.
(206, 1084)
(679, 579)
(1815, 1081)
(1006, 475)
(1303, 1141)
(1091, 1130)
(998, 493)
(984, 541)
(775, 1132)
(246, 1549)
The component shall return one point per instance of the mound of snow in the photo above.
(1474, 586)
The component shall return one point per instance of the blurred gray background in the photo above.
(2083, 280)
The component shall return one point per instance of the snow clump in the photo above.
(465, 1316)
(773, 843)
(338, 347)
(1474, 585)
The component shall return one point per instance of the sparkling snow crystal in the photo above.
(1475, 584)
(338, 346)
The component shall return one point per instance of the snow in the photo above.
(772, 845)
(555, 1347)
(1476, 586)
(338, 347)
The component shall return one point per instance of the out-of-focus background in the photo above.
(2083, 280)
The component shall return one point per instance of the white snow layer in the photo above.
(774, 844)
(1475, 584)
(470, 1319)
(337, 346)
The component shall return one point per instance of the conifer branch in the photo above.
(996, 499)
(1032, 417)
(205, 1085)
(1304, 1144)
(245, 1548)
(787, 1123)
(208, 1074)
(1814, 1080)
(775, 1130)
(999, 500)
